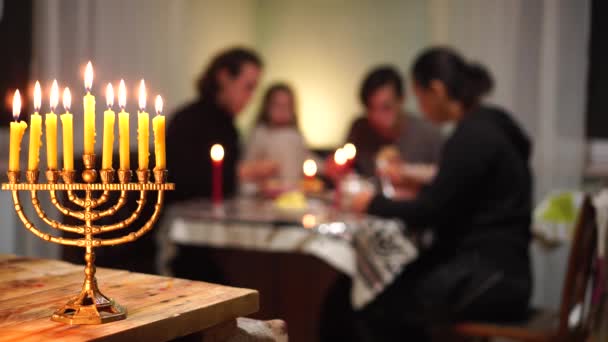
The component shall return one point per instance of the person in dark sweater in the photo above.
(224, 89)
(478, 205)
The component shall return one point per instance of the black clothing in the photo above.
(479, 206)
(191, 133)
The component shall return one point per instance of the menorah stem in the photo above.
(89, 269)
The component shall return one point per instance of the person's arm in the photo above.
(466, 159)
(255, 166)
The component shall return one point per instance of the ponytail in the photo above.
(465, 82)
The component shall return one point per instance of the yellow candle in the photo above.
(35, 136)
(109, 117)
(123, 127)
(158, 126)
(68, 133)
(143, 130)
(17, 129)
(50, 124)
(89, 112)
(35, 131)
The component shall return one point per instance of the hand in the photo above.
(360, 202)
(331, 170)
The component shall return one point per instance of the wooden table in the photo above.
(159, 308)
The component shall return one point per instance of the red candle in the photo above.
(351, 152)
(217, 159)
(340, 159)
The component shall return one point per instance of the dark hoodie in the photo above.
(481, 196)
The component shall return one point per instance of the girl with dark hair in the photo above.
(478, 205)
(276, 149)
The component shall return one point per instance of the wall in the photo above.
(324, 48)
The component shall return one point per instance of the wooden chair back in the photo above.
(577, 286)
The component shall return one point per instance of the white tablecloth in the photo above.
(371, 251)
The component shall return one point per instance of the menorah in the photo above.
(90, 306)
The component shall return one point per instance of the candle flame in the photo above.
(88, 77)
(310, 168)
(158, 104)
(350, 150)
(109, 95)
(16, 105)
(54, 95)
(122, 94)
(340, 157)
(309, 221)
(37, 97)
(217, 152)
(67, 99)
(142, 95)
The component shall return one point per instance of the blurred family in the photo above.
(473, 191)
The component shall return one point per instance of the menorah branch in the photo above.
(51, 222)
(65, 211)
(32, 228)
(141, 231)
(93, 203)
(122, 199)
(125, 223)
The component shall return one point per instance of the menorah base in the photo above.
(90, 307)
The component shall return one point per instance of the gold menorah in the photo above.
(90, 306)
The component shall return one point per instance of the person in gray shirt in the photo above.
(386, 123)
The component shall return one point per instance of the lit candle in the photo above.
(17, 130)
(123, 127)
(89, 112)
(309, 168)
(50, 124)
(351, 152)
(143, 130)
(340, 158)
(217, 157)
(158, 126)
(35, 131)
(68, 132)
(109, 117)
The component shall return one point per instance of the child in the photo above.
(276, 150)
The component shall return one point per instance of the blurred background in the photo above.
(540, 53)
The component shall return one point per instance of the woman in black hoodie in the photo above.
(478, 205)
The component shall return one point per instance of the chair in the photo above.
(562, 326)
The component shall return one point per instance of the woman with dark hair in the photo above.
(224, 89)
(276, 149)
(479, 206)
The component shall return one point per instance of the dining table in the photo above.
(294, 256)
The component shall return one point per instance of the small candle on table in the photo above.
(109, 117)
(143, 131)
(123, 127)
(17, 129)
(309, 168)
(351, 152)
(158, 126)
(89, 112)
(68, 131)
(50, 124)
(340, 159)
(217, 158)
(35, 131)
